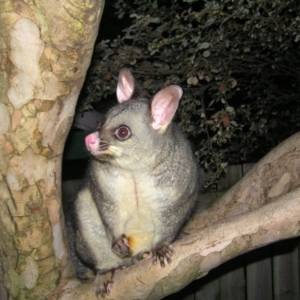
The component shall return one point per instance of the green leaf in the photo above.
(234, 123)
(224, 165)
(204, 45)
(230, 109)
(206, 53)
(155, 20)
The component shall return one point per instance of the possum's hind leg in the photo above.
(104, 280)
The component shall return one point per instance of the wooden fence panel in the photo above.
(208, 287)
(286, 270)
(233, 175)
(247, 167)
(259, 275)
(232, 281)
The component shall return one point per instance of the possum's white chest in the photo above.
(138, 202)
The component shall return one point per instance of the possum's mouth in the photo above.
(103, 156)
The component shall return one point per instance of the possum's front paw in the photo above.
(121, 246)
(103, 283)
(161, 254)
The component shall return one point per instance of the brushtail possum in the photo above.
(140, 187)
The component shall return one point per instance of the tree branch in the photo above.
(255, 212)
(202, 251)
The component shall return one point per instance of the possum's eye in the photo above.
(123, 133)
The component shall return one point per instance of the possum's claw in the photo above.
(161, 254)
(121, 246)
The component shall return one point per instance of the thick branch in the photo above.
(273, 176)
(200, 252)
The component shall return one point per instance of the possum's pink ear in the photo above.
(125, 87)
(164, 106)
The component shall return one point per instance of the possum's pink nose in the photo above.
(91, 140)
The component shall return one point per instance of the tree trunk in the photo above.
(46, 47)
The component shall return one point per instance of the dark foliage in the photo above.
(237, 61)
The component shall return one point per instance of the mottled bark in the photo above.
(45, 50)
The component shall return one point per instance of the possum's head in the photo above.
(135, 130)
